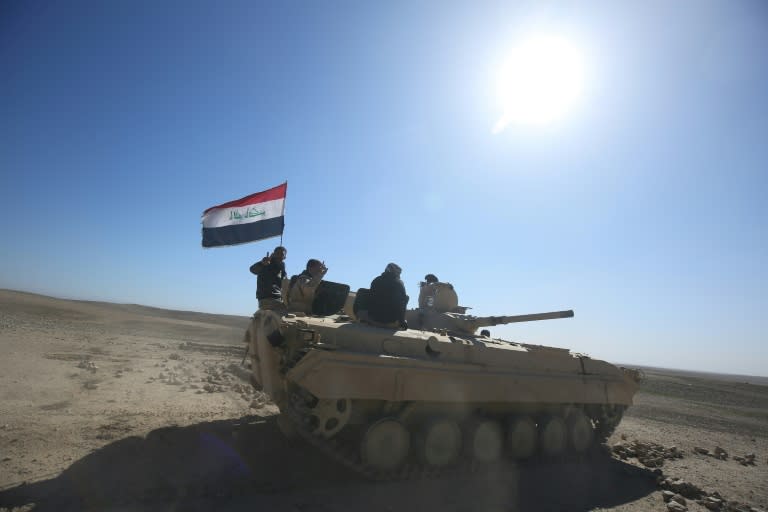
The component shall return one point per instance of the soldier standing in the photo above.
(271, 272)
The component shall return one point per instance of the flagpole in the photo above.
(284, 201)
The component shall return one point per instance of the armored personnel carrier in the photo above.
(392, 403)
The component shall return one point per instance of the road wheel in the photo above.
(521, 437)
(328, 417)
(580, 431)
(553, 436)
(385, 445)
(440, 444)
(485, 440)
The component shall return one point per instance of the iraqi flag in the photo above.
(254, 217)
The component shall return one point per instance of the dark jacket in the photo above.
(269, 284)
(387, 300)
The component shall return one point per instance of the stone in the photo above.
(89, 365)
(674, 506)
(685, 489)
(667, 495)
(702, 451)
(680, 499)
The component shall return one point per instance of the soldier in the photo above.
(301, 292)
(427, 291)
(387, 301)
(271, 272)
(435, 295)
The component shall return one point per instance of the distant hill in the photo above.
(31, 302)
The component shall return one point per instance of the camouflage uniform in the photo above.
(301, 293)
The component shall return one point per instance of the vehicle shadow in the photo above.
(245, 463)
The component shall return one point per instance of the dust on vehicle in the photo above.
(433, 398)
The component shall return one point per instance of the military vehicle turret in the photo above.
(439, 310)
(393, 403)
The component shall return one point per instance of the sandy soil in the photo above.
(123, 407)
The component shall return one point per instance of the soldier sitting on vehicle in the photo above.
(387, 299)
(301, 291)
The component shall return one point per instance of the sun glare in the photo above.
(539, 82)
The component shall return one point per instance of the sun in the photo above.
(540, 81)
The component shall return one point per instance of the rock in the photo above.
(623, 437)
(702, 451)
(667, 495)
(655, 463)
(680, 499)
(87, 364)
(174, 356)
(685, 489)
(735, 506)
(674, 506)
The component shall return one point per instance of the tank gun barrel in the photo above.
(489, 321)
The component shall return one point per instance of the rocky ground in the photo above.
(121, 407)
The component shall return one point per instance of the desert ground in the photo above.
(124, 407)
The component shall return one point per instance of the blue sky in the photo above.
(643, 208)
